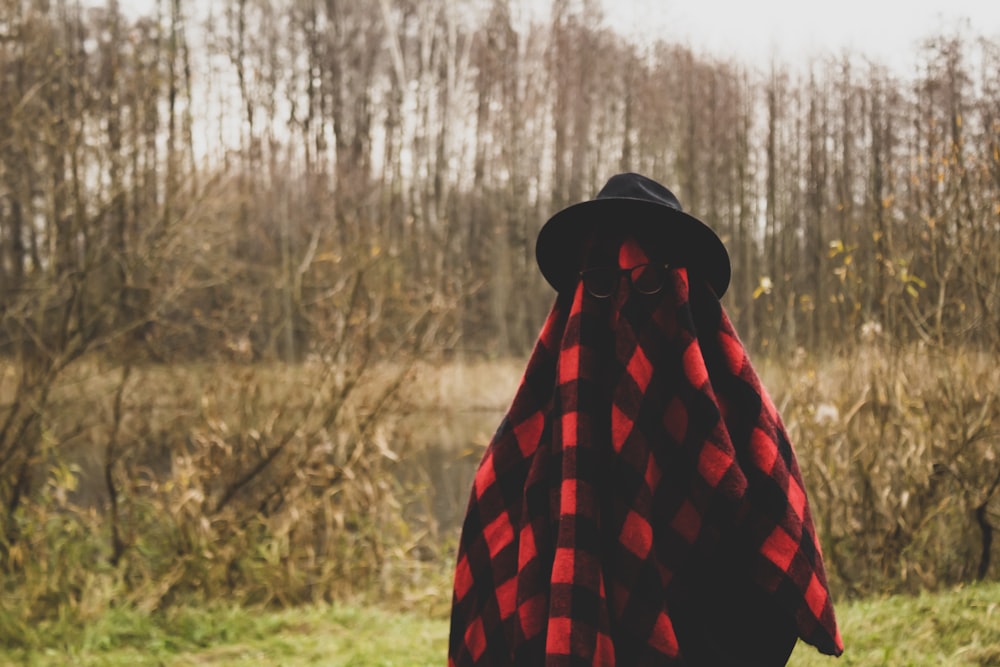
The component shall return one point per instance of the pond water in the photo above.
(442, 451)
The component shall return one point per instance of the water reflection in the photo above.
(443, 450)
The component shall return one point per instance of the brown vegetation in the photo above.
(898, 448)
(226, 239)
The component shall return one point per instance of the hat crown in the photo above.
(647, 207)
(637, 186)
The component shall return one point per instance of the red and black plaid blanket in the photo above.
(640, 453)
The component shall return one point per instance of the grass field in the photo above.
(955, 628)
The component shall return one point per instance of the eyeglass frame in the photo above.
(619, 273)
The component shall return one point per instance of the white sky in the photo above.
(754, 31)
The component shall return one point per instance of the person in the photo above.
(640, 502)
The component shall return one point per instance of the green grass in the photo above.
(329, 635)
(955, 628)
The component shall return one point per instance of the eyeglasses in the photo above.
(644, 279)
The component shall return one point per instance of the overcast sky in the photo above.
(755, 30)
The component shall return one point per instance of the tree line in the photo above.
(197, 180)
(340, 183)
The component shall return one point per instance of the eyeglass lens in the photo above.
(601, 282)
(645, 279)
(648, 278)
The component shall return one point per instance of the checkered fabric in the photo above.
(639, 441)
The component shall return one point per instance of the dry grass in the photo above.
(255, 484)
(898, 450)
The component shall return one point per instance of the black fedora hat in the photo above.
(651, 209)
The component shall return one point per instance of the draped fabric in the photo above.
(640, 448)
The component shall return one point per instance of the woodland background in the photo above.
(241, 241)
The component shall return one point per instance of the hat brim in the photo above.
(686, 240)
